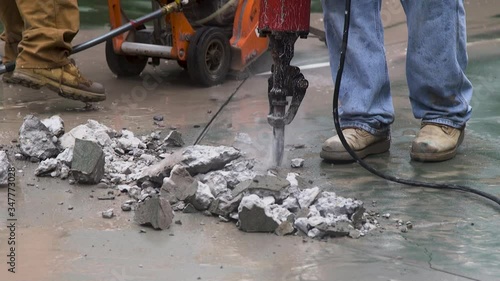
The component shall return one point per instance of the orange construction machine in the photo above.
(209, 38)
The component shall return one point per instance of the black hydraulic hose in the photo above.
(355, 156)
(117, 31)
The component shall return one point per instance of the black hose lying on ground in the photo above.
(361, 161)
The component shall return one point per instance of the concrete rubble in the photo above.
(154, 211)
(108, 214)
(201, 159)
(36, 140)
(255, 216)
(297, 163)
(203, 197)
(160, 177)
(174, 138)
(55, 124)
(87, 165)
(4, 168)
(180, 186)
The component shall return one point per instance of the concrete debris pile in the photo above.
(89, 153)
(161, 177)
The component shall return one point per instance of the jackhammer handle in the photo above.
(4, 68)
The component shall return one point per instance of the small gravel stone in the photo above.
(108, 214)
(158, 118)
(126, 207)
(297, 163)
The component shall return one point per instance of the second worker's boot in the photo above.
(67, 81)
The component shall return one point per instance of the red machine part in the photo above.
(289, 16)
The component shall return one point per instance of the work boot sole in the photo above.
(437, 156)
(344, 156)
(36, 82)
(7, 78)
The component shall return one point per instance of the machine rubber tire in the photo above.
(209, 56)
(124, 66)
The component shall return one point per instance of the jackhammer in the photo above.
(284, 21)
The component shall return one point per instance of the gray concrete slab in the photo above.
(455, 235)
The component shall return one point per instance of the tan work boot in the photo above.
(67, 81)
(436, 142)
(361, 141)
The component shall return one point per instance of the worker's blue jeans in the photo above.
(435, 63)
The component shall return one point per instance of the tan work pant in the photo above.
(38, 34)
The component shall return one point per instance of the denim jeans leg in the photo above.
(365, 99)
(436, 60)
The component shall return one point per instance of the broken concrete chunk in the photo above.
(87, 165)
(47, 166)
(285, 228)
(314, 233)
(217, 183)
(108, 214)
(203, 197)
(55, 124)
(150, 159)
(357, 217)
(314, 221)
(279, 213)
(297, 163)
(201, 159)
(291, 204)
(92, 131)
(330, 203)
(128, 141)
(223, 207)
(179, 206)
(189, 209)
(308, 196)
(66, 157)
(240, 165)
(64, 172)
(162, 169)
(4, 168)
(174, 138)
(355, 234)
(340, 229)
(120, 187)
(134, 192)
(126, 207)
(180, 185)
(155, 211)
(255, 216)
(263, 186)
(302, 225)
(35, 139)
